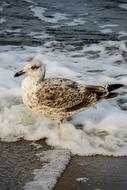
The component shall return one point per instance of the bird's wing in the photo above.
(59, 93)
(96, 89)
(101, 91)
(92, 94)
(89, 100)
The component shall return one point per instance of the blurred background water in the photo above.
(70, 22)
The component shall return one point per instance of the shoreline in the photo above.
(18, 161)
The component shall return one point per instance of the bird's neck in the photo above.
(31, 82)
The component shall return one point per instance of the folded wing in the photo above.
(59, 93)
(68, 95)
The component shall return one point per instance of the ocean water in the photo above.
(85, 41)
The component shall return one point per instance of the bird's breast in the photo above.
(29, 96)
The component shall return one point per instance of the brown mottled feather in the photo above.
(89, 98)
(67, 95)
(59, 93)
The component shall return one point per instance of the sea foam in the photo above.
(123, 6)
(95, 131)
(53, 163)
(40, 11)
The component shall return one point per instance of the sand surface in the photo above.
(18, 161)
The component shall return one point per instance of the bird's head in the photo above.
(35, 69)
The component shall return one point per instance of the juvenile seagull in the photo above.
(59, 98)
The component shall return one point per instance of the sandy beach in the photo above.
(18, 162)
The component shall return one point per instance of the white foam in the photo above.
(53, 163)
(59, 16)
(122, 34)
(39, 35)
(3, 4)
(76, 21)
(39, 13)
(30, 1)
(104, 131)
(1, 9)
(106, 30)
(123, 6)
(109, 25)
(82, 179)
(2, 20)
(10, 31)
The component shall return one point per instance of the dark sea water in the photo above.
(92, 18)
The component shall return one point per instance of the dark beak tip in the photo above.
(19, 73)
(15, 75)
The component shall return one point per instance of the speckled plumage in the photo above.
(57, 97)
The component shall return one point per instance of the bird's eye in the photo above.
(34, 67)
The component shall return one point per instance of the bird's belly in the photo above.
(32, 103)
(49, 112)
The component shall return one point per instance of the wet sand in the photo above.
(18, 161)
(94, 173)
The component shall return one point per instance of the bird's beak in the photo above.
(19, 73)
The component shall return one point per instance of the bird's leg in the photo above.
(60, 122)
(94, 105)
(59, 125)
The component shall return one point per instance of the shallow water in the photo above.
(83, 41)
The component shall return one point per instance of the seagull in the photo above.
(59, 98)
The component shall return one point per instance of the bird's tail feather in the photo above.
(112, 87)
(105, 92)
(112, 95)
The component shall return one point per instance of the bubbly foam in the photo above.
(2, 20)
(39, 13)
(1, 9)
(95, 131)
(76, 21)
(123, 6)
(10, 31)
(82, 179)
(30, 1)
(122, 34)
(108, 25)
(39, 35)
(53, 163)
(106, 30)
